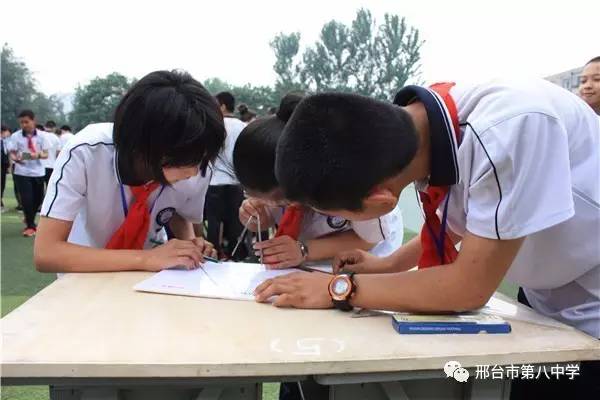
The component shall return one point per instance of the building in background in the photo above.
(568, 79)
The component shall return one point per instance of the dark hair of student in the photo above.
(26, 113)
(4, 128)
(337, 147)
(39, 127)
(166, 119)
(226, 99)
(593, 60)
(65, 128)
(254, 151)
(50, 124)
(246, 114)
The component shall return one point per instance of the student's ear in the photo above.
(380, 198)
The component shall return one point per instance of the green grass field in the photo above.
(20, 281)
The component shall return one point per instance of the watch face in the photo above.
(340, 286)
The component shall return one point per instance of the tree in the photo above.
(19, 92)
(96, 101)
(216, 85)
(364, 58)
(288, 72)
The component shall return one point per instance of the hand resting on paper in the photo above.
(184, 253)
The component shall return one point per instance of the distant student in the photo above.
(65, 135)
(27, 150)
(246, 115)
(225, 195)
(589, 84)
(50, 126)
(4, 137)
(54, 145)
(116, 186)
(509, 168)
(303, 234)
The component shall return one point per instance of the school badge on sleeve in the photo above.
(336, 222)
(164, 216)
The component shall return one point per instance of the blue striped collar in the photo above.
(444, 166)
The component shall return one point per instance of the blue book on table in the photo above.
(440, 324)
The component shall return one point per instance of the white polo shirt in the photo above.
(224, 173)
(529, 166)
(18, 142)
(54, 145)
(386, 232)
(64, 139)
(85, 188)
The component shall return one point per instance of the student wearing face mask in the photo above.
(117, 186)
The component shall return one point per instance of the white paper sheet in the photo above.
(225, 280)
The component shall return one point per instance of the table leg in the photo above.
(489, 389)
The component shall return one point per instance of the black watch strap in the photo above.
(343, 305)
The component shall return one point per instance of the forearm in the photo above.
(465, 284)
(182, 228)
(406, 256)
(43, 155)
(437, 289)
(198, 230)
(68, 257)
(328, 247)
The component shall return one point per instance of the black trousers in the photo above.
(222, 208)
(311, 390)
(48, 175)
(584, 386)
(4, 172)
(17, 195)
(31, 192)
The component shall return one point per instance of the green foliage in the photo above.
(366, 58)
(19, 92)
(286, 48)
(96, 101)
(363, 57)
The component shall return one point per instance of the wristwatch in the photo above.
(303, 250)
(341, 288)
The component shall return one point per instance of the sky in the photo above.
(67, 43)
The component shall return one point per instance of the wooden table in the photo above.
(88, 334)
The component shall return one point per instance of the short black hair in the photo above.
(39, 127)
(337, 147)
(227, 99)
(26, 113)
(254, 151)
(593, 60)
(65, 128)
(4, 128)
(167, 118)
(50, 124)
(245, 113)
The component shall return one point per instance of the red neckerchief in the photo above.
(438, 248)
